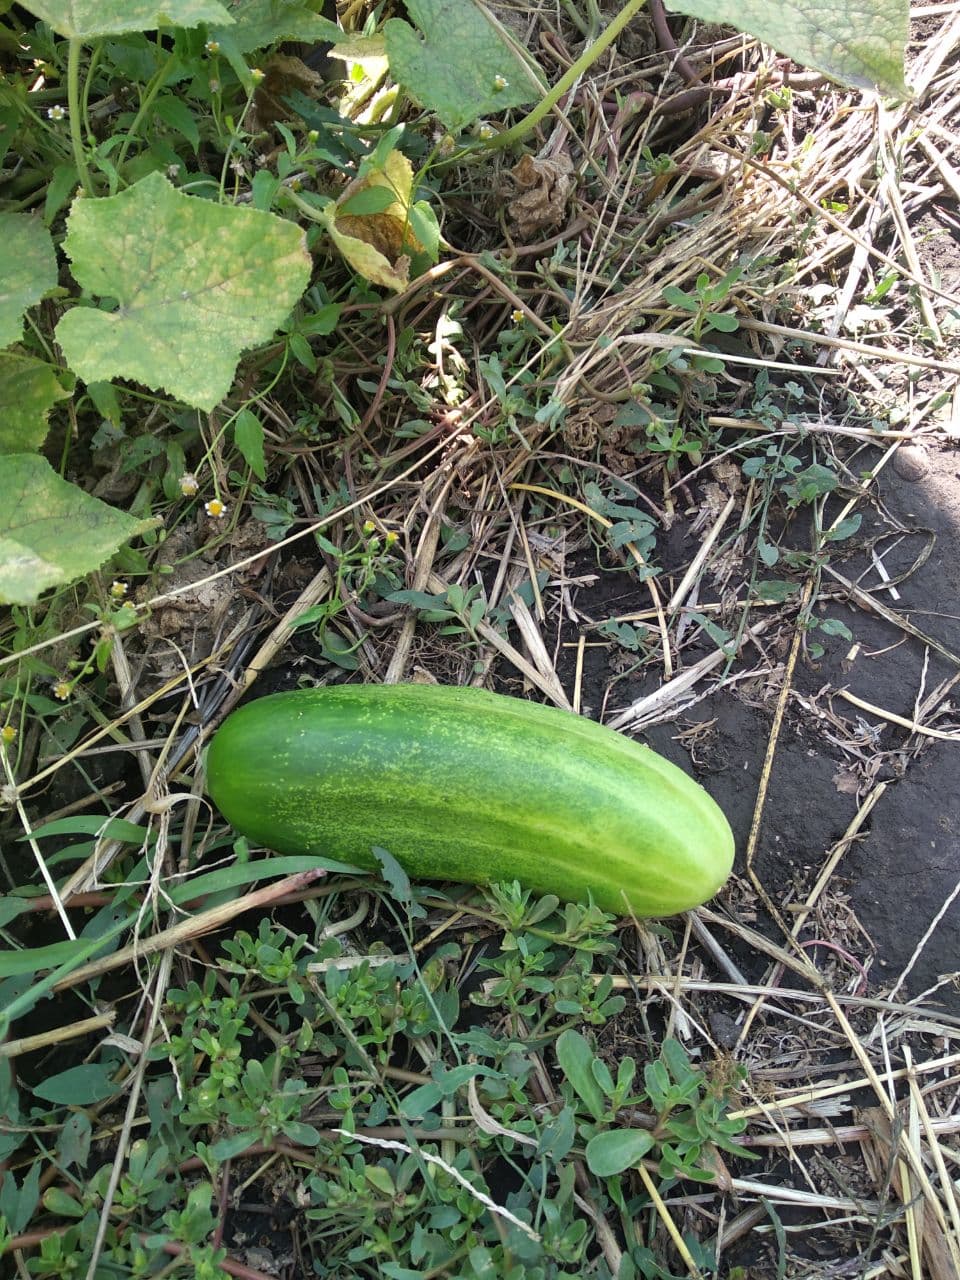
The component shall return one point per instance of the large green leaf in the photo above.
(456, 64)
(83, 19)
(28, 389)
(259, 23)
(28, 270)
(858, 42)
(197, 283)
(51, 531)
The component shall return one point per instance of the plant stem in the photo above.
(153, 88)
(523, 127)
(76, 120)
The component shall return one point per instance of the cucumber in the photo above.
(464, 785)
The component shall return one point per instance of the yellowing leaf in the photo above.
(28, 390)
(81, 19)
(377, 244)
(50, 530)
(28, 270)
(197, 283)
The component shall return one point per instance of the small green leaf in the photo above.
(775, 590)
(616, 1150)
(18, 1204)
(63, 183)
(75, 1139)
(379, 1178)
(305, 1135)
(575, 1057)
(175, 112)
(260, 23)
(677, 298)
(28, 270)
(78, 1085)
(89, 824)
(106, 401)
(233, 1145)
(10, 908)
(397, 880)
(367, 201)
(834, 627)
(723, 321)
(416, 1104)
(248, 437)
(846, 528)
(58, 1202)
(769, 554)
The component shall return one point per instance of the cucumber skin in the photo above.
(465, 785)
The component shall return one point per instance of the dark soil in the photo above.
(905, 863)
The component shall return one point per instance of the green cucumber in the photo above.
(465, 785)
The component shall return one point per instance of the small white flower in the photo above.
(212, 47)
(189, 484)
(215, 509)
(57, 113)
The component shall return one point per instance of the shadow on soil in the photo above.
(896, 876)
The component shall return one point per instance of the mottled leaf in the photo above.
(858, 42)
(196, 284)
(259, 23)
(28, 390)
(28, 270)
(81, 19)
(51, 531)
(457, 64)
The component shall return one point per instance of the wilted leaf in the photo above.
(80, 19)
(28, 270)
(544, 187)
(196, 284)
(457, 64)
(371, 223)
(858, 42)
(28, 390)
(51, 531)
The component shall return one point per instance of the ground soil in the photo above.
(903, 866)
